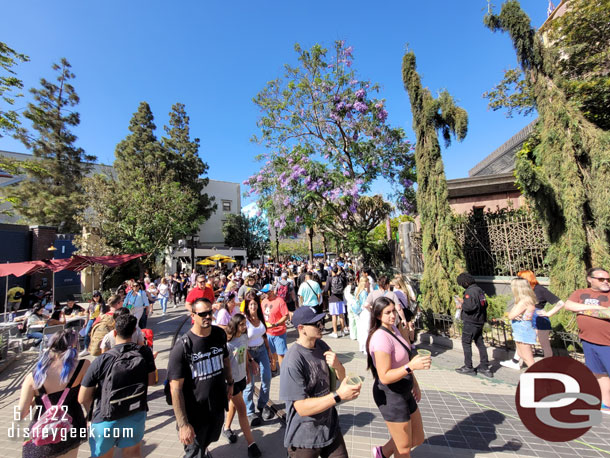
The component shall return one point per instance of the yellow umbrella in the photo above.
(217, 257)
(206, 262)
(228, 260)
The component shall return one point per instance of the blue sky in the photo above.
(216, 56)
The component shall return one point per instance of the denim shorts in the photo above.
(130, 429)
(524, 332)
(277, 344)
(541, 323)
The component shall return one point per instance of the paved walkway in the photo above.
(463, 416)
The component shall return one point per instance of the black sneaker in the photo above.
(255, 420)
(229, 434)
(485, 372)
(267, 413)
(466, 370)
(253, 451)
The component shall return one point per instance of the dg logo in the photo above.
(558, 399)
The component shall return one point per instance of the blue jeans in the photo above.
(87, 336)
(35, 335)
(262, 358)
(163, 302)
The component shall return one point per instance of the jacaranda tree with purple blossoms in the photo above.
(328, 140)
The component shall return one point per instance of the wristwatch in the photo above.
(337, 398)
(408, 369)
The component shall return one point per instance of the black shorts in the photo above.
(240, 386)
(291, 306)
(395, 402)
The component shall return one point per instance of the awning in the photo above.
(75, 263)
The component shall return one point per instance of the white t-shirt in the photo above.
(255, 334)
(163, 290)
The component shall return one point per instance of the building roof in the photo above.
(502, 160)
(481, 185)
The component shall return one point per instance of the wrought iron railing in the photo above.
(496, 333)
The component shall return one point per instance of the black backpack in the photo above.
(187, 350)
(125, 386)
(336, 285)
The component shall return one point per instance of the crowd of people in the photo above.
(239, 324)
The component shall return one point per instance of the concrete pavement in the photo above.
(463, 416)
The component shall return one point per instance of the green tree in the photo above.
(184, 161)
(251, 233)
(142, 209)
(441, 253)
(52, 193)
(564, 167)
(578, 45)
(10, 86)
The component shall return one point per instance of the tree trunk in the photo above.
(310, 233)
(277, 248)
(324, 246)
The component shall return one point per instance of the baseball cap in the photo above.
(266, 288)
(306, 315)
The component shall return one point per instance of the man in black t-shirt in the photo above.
(133, 385)
(474, 316)
(201, 383)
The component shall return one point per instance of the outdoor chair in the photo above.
(17, 339)
(47, 332)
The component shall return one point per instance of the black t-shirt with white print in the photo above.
(203, 373)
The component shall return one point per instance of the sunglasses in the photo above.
(607, 280)
(207, 314)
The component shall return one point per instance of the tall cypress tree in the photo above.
(442, 256)
(52, 194)
(145, 208)
(565, 165)
(184, 161)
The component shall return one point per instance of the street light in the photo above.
(52, 249)
(193, 239)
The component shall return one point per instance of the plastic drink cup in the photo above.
(353, 379)
(423, 352)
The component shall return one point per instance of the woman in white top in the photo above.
(258, 348)
(237, 343)
(352, 307)
(163, 294)
(364, 314)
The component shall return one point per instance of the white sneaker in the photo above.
(510, 364)
(344, 333)
(83, 353)
(333, 335)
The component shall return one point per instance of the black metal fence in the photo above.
(495, 244)
(496, 333)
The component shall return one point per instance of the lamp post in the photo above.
(52, 249)
(193, 239)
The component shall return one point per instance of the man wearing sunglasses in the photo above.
(312, 422)
(201, 383)
(200, 291)
(593, 308)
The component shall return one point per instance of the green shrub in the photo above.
(496, 305)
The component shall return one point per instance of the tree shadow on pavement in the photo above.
(472, 435)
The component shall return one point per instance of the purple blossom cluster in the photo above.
(361, 107)
(360, 94)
